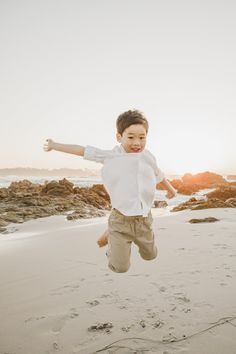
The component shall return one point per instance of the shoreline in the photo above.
(62, 223)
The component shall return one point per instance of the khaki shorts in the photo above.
(123, 230)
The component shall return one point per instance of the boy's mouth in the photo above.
(136, 150)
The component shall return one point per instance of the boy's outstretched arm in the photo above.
(67, 148)
(171, 192)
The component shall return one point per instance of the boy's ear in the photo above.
(118, 137)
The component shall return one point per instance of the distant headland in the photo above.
(63, 172)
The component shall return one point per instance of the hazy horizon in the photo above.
(84, 170)
(69, 68)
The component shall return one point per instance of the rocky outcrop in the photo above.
(222, 197)
(24, 200)
(97, 196)
(189, 184)
(223, 193)
(197, 204)
(204, 179)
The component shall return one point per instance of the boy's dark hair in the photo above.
(129, 118)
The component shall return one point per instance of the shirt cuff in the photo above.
(159, 177)
(93, 154)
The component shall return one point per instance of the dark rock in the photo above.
(95, 195)
(223, 193)
(190, 184)
(231, 202)
(159, 204)
(204, 179)
(100, 326)
(24, 200)
(3, 193)
(209, 219)
(214, 203)
(85, 213)
(61, 189)
(3, 222)
(195, 204)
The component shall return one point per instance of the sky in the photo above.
(68, 68)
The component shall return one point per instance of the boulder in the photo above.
(58, 189)
(160, 204)
(209, 219)
(194, 204)
(205, 179)
(189, 184)
(222, 193)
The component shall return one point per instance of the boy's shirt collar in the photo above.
(122, 149)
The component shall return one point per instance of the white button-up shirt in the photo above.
(129, 178)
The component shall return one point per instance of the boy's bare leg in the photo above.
(103, 239)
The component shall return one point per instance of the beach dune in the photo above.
(58, 296)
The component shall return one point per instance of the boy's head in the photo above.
(132, 129)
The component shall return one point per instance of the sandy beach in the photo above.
(58, 296)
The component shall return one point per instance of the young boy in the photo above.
(130, 175)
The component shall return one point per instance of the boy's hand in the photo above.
(48, 145)
(171, 194)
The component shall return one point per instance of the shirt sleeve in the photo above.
(94, 154)
(159, 175)
(158, 172)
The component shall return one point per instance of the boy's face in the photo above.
(133, 138)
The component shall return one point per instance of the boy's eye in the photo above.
(130, 137)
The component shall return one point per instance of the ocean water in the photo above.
(5, 181)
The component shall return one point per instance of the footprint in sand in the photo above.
(203, 304)
(54, 322)
(221, 245)
(60, 323)
(65, 289)
(108, 281)
(181, 297)
(122, 307)
(161, 288)
(93, 303)
(151, 314)
(195, 271)
(34, 319)
(223, 284)
(186, 310)
(104, 296)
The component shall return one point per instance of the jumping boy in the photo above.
(130, 175)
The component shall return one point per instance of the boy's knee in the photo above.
(149, 256)
(119, 269)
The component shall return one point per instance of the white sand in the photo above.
(55, 284)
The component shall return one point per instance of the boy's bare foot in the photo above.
(103, 240)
